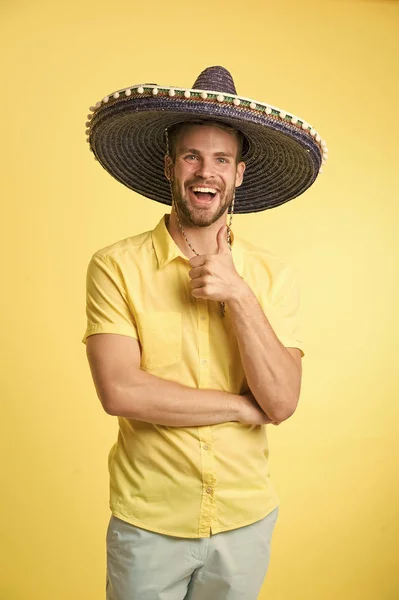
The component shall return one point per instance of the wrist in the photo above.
(236, 407)
(240, 295)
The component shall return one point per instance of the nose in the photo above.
(204, 168)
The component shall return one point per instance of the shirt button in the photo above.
(206, 447)
(209, 490)
(203, 318)
(204, 362)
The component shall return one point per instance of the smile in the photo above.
(203, 195)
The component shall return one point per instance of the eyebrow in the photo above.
(194, 151)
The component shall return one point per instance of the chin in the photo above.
(204, 218)
(199, 220)
(204, 223)
(198, 216)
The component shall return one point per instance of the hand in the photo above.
(214, 276)
(251, 413)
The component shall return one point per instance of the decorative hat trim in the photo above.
(273, 111)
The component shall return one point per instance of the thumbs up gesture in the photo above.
(214, 276)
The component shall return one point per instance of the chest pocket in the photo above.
(160, 337)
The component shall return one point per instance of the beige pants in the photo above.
(143, 565)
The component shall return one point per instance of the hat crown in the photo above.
(216, 79)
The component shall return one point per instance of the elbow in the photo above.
(281, 416)
(111, 410)
(109, 407)
(118, 404)
(110, 404)
(282, 412)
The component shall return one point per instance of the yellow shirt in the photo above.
(187, 481)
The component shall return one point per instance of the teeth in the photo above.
(204, 190)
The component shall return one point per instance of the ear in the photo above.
(240, 173)
(168, 168)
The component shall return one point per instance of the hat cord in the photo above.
(222, 304)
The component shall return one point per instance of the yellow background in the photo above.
(335, 463)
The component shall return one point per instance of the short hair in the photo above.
(174, 130)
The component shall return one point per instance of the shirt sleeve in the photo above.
(107, 307)
(284, 309)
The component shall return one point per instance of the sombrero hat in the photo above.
(126, 132)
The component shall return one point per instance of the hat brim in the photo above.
(127, 137)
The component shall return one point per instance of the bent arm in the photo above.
(149, 398)
(273, 372)
(127, 391)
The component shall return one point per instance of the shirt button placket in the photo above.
(203, 341)
(207, 458)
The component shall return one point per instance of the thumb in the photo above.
(222, 240)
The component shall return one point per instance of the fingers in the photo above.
(197, 283)
(199, 271)
(198, 261)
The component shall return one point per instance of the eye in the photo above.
(222, 160)
(190, 157)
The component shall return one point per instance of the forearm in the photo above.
(272, 374)
(155, 400)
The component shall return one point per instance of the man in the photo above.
(192, 336)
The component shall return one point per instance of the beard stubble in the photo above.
(198, 217)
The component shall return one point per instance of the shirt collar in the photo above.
(167, 250)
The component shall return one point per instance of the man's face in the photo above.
(204, 173)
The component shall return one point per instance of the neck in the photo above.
(203, 239)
